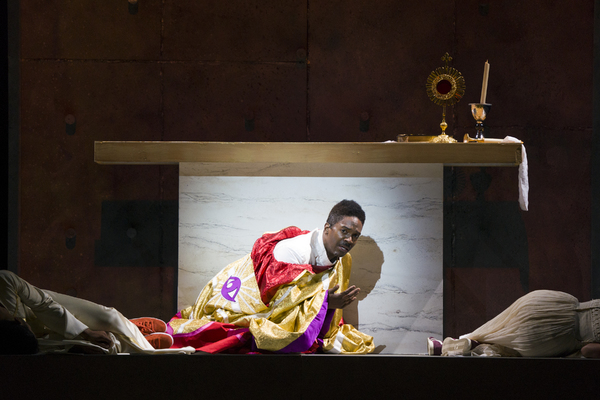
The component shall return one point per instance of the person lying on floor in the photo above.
(543, 323)
(286, 296)
(33, 320)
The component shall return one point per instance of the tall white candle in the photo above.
(486, 74)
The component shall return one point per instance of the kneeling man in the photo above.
(286, 296)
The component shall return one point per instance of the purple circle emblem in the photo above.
(231, 288)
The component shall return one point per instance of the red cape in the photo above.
(218, 337)
(270, 273)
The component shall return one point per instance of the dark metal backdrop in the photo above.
(255, 70)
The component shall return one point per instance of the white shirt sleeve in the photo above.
(54, 316)
(291, 251)
(303, 249)
(296, 250)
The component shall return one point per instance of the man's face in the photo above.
(341, 237)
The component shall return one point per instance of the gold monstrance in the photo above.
(445, 87)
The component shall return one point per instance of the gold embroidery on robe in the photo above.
(285, 319)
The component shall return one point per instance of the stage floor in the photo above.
(205, 376)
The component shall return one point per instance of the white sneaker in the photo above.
(456, 347)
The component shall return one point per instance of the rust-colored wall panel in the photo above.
(540, 67)
(62, 189)
(110, 101)
(375, 57)
(235, 102)
(540, 88)
(297, 71)
(558, 222)
(478, 295)
(557, 225)
(238, 30)
(91, 29)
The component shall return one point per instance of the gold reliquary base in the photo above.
(443, 138)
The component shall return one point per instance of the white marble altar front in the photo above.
(268, 185)
(397, 263)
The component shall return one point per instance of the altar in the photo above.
(232, 193)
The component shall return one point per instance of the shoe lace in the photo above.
(145, 324)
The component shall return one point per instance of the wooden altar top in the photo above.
(449, 154)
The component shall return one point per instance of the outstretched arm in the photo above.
(342, 299)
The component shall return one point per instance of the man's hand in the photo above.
(341, 300)
(99, 338)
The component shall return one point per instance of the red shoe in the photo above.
(149, 325)
(160, 340)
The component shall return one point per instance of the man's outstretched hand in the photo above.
(342, 299)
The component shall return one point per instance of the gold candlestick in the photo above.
(480, 112)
